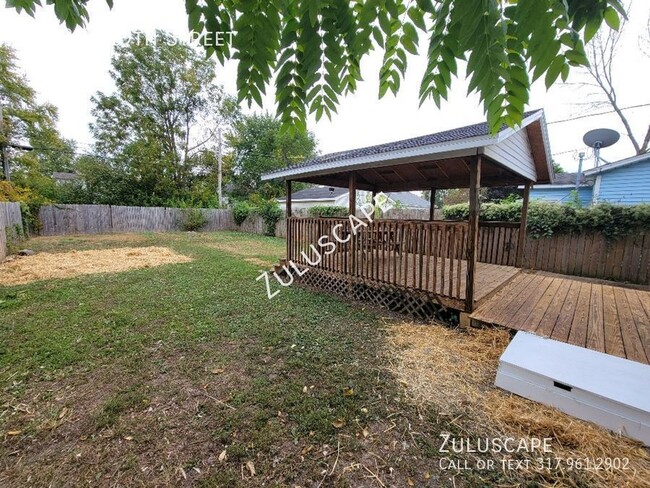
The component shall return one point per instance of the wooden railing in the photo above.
(423, 256)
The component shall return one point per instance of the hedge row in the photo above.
(547, 218)
(328, 211)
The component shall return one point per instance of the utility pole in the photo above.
(580, 158)
(219, 163)
(4, 157)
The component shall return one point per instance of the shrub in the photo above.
(241, 211)
(270, 213)
(193, 219)
(327, 211)
(15, 237)
(548, 218)
(30, 203)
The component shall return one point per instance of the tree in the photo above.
(157, 130)
(314, 49)
(259, 145)
(557, 168)
(29, 135)
(440, 196)
(601, 52)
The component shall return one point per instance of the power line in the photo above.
(597, 114)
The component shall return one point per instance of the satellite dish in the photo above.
(599, 138)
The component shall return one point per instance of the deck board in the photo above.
(633, 348)
(588, 313)
(596, 323)
(613, 335)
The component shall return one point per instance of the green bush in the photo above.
(241, 211)
(193, 219)
(327, 211)
(548, 218)
(270, 213)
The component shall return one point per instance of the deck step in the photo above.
(606, 390)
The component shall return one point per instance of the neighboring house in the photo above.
(562, 189)
(333, 196)
(64, 177)
(624, 182)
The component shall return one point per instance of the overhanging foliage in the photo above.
(313, 49)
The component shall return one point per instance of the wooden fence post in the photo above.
(521, 244)
(432, 205)
(352, 208)
(472, 232)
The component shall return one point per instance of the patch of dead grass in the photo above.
(454, 371)
(46, 266)
(249, 251)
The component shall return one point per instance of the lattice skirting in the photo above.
(410, 302)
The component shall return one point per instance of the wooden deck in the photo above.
(595, 315)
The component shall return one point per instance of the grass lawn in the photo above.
(186, 374)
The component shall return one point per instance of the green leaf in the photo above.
(554, 71)
(612, 18)
(591, 29)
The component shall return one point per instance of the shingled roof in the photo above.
(475, 130)
(331, 193)
(567, 178)
(511, 156)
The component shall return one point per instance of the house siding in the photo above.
(562, 195)
(515, 152)
(628, 185)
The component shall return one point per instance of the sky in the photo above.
(67, 69)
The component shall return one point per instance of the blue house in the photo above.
(624, 182)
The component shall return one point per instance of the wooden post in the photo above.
(521, 244)
(352, 188)
(432, 205)
(288, 201)
(288, 216)
(352, 209)
(472, 234)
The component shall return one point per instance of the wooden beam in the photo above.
(521, 244)
(352, 248)
(472, 233)
(288, 216)
(341, 182)
(432, 205)
(352, 189)
(288, 201)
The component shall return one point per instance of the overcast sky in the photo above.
(67, 68)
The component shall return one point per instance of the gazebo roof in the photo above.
(512, 156)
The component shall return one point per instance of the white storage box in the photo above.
(607, 390)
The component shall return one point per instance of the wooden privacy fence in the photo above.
(589, 255)
(98, 219)
(11, 222)
(592, 255)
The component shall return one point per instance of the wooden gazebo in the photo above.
(418, 265)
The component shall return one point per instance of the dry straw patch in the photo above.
(454, 371)
(47, 266)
